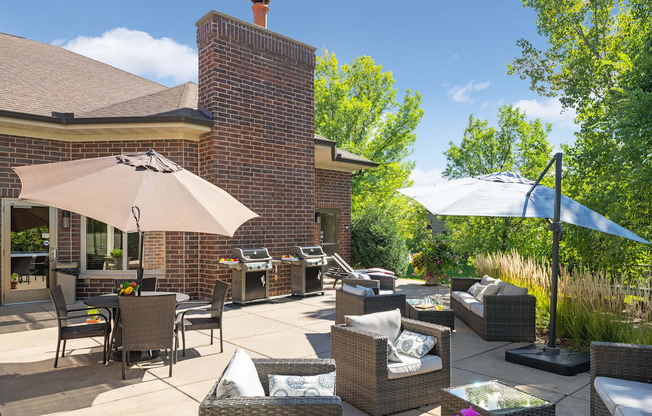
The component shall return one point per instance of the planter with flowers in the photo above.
(14, 280)
(435, 258)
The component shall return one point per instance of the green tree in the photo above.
(516, 145)
(597, 61)
(357, 106)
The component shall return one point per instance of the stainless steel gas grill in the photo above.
(249, 274)
(307, 265)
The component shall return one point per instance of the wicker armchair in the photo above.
(348, 304)
(623, 361)
(270, 406)
(506, 318)
(362, 376)
(148, 323)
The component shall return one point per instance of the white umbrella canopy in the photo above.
(168, 197)
(504, 194)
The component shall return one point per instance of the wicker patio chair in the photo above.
(349, 304)
(505, 318)
(66, 331)
(271, 406)
(148, 284)
(623, 361)
(362, 375)
(206, 321)
(148, 323)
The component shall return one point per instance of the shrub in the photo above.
(590, 306)
(377, 242)
(435, 260)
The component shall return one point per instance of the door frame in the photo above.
(336, 212)
(5, 240)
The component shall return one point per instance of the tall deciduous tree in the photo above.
(516, 145)
(357, 106)
(597, 61)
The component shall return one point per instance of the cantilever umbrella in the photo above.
(135, 192)
(507, 194)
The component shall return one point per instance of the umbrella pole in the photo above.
(556, 234)
(135, 211)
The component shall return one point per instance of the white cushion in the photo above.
(616, 392)
(455, 294)
(358, 290)
(386, 292)
(386, 323)
(512, 290)
(414, 344)
(489, 290)
(240, 379)
(359, 275)
(381, 275)
(367, 291)
(478, 309)
(487, 280)
(378, 269)
(630, 411)
(475, 288)
(466, 299)
(319, 385)
(412, 366)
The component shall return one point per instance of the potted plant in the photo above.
(95, 319)
(435, 258)
(14, 280)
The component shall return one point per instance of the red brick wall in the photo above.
(333, 190)
(259, 87)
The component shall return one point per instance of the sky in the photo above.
(455, 53)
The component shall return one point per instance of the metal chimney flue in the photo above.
(260, 12)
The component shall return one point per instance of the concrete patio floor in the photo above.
(283, 327)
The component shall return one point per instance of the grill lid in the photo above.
(250, 254)
(307, 251)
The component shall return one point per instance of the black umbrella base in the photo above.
(137, 356)
(553, 360)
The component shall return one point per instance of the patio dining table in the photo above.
(111, 301)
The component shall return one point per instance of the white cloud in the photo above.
(422, 178)
(462, 93)
(549, 110)
(139, 53)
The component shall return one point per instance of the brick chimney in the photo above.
(260, 12)
(259, 87)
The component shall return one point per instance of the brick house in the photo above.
(248, 127)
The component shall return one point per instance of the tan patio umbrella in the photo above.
(135, 192)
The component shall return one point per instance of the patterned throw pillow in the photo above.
(319, 385)
(392, 353)
(416, 345)
(488, 290)
(475, 289)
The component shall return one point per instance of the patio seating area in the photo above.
(284, 327)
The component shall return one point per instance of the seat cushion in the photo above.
(200, 322)
(387, 323)
(478, 309)
(466, 299)
(240, 379)
(631, 411)
(616, 392)
(411, 366)
(379, 270)
(83, 331)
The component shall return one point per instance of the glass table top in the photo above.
(427, 304)
(493, 395)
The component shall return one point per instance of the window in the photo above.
(107, 248)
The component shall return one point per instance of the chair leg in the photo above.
(124, 361)
(183, 339)
(56, 356)
(211, 336)
(171, 360)
(63, 350)
(104, 353)
(221, 338)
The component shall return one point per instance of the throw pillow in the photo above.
(487, 280)
(392, 353)
(367, 291)
(416, 345)
(379, 270)
(386, 323)
(353, 290)
(489, 290)
(511, 290)
(475, 289)
(240, 379)
(380, 275)
(319, 385)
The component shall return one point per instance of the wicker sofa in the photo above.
(270, 406)
(348, 304)
(504, 318)
(362, 374)
(626, 363)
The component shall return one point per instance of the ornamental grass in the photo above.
(590, 306)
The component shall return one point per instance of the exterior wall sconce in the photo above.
(347, 228)
(65, 219)
(317, 217)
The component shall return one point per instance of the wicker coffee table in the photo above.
(493, 398)
(444, 316)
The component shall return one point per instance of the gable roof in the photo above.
(40, 79)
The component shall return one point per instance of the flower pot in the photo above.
(14, 284)
(93, 321)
